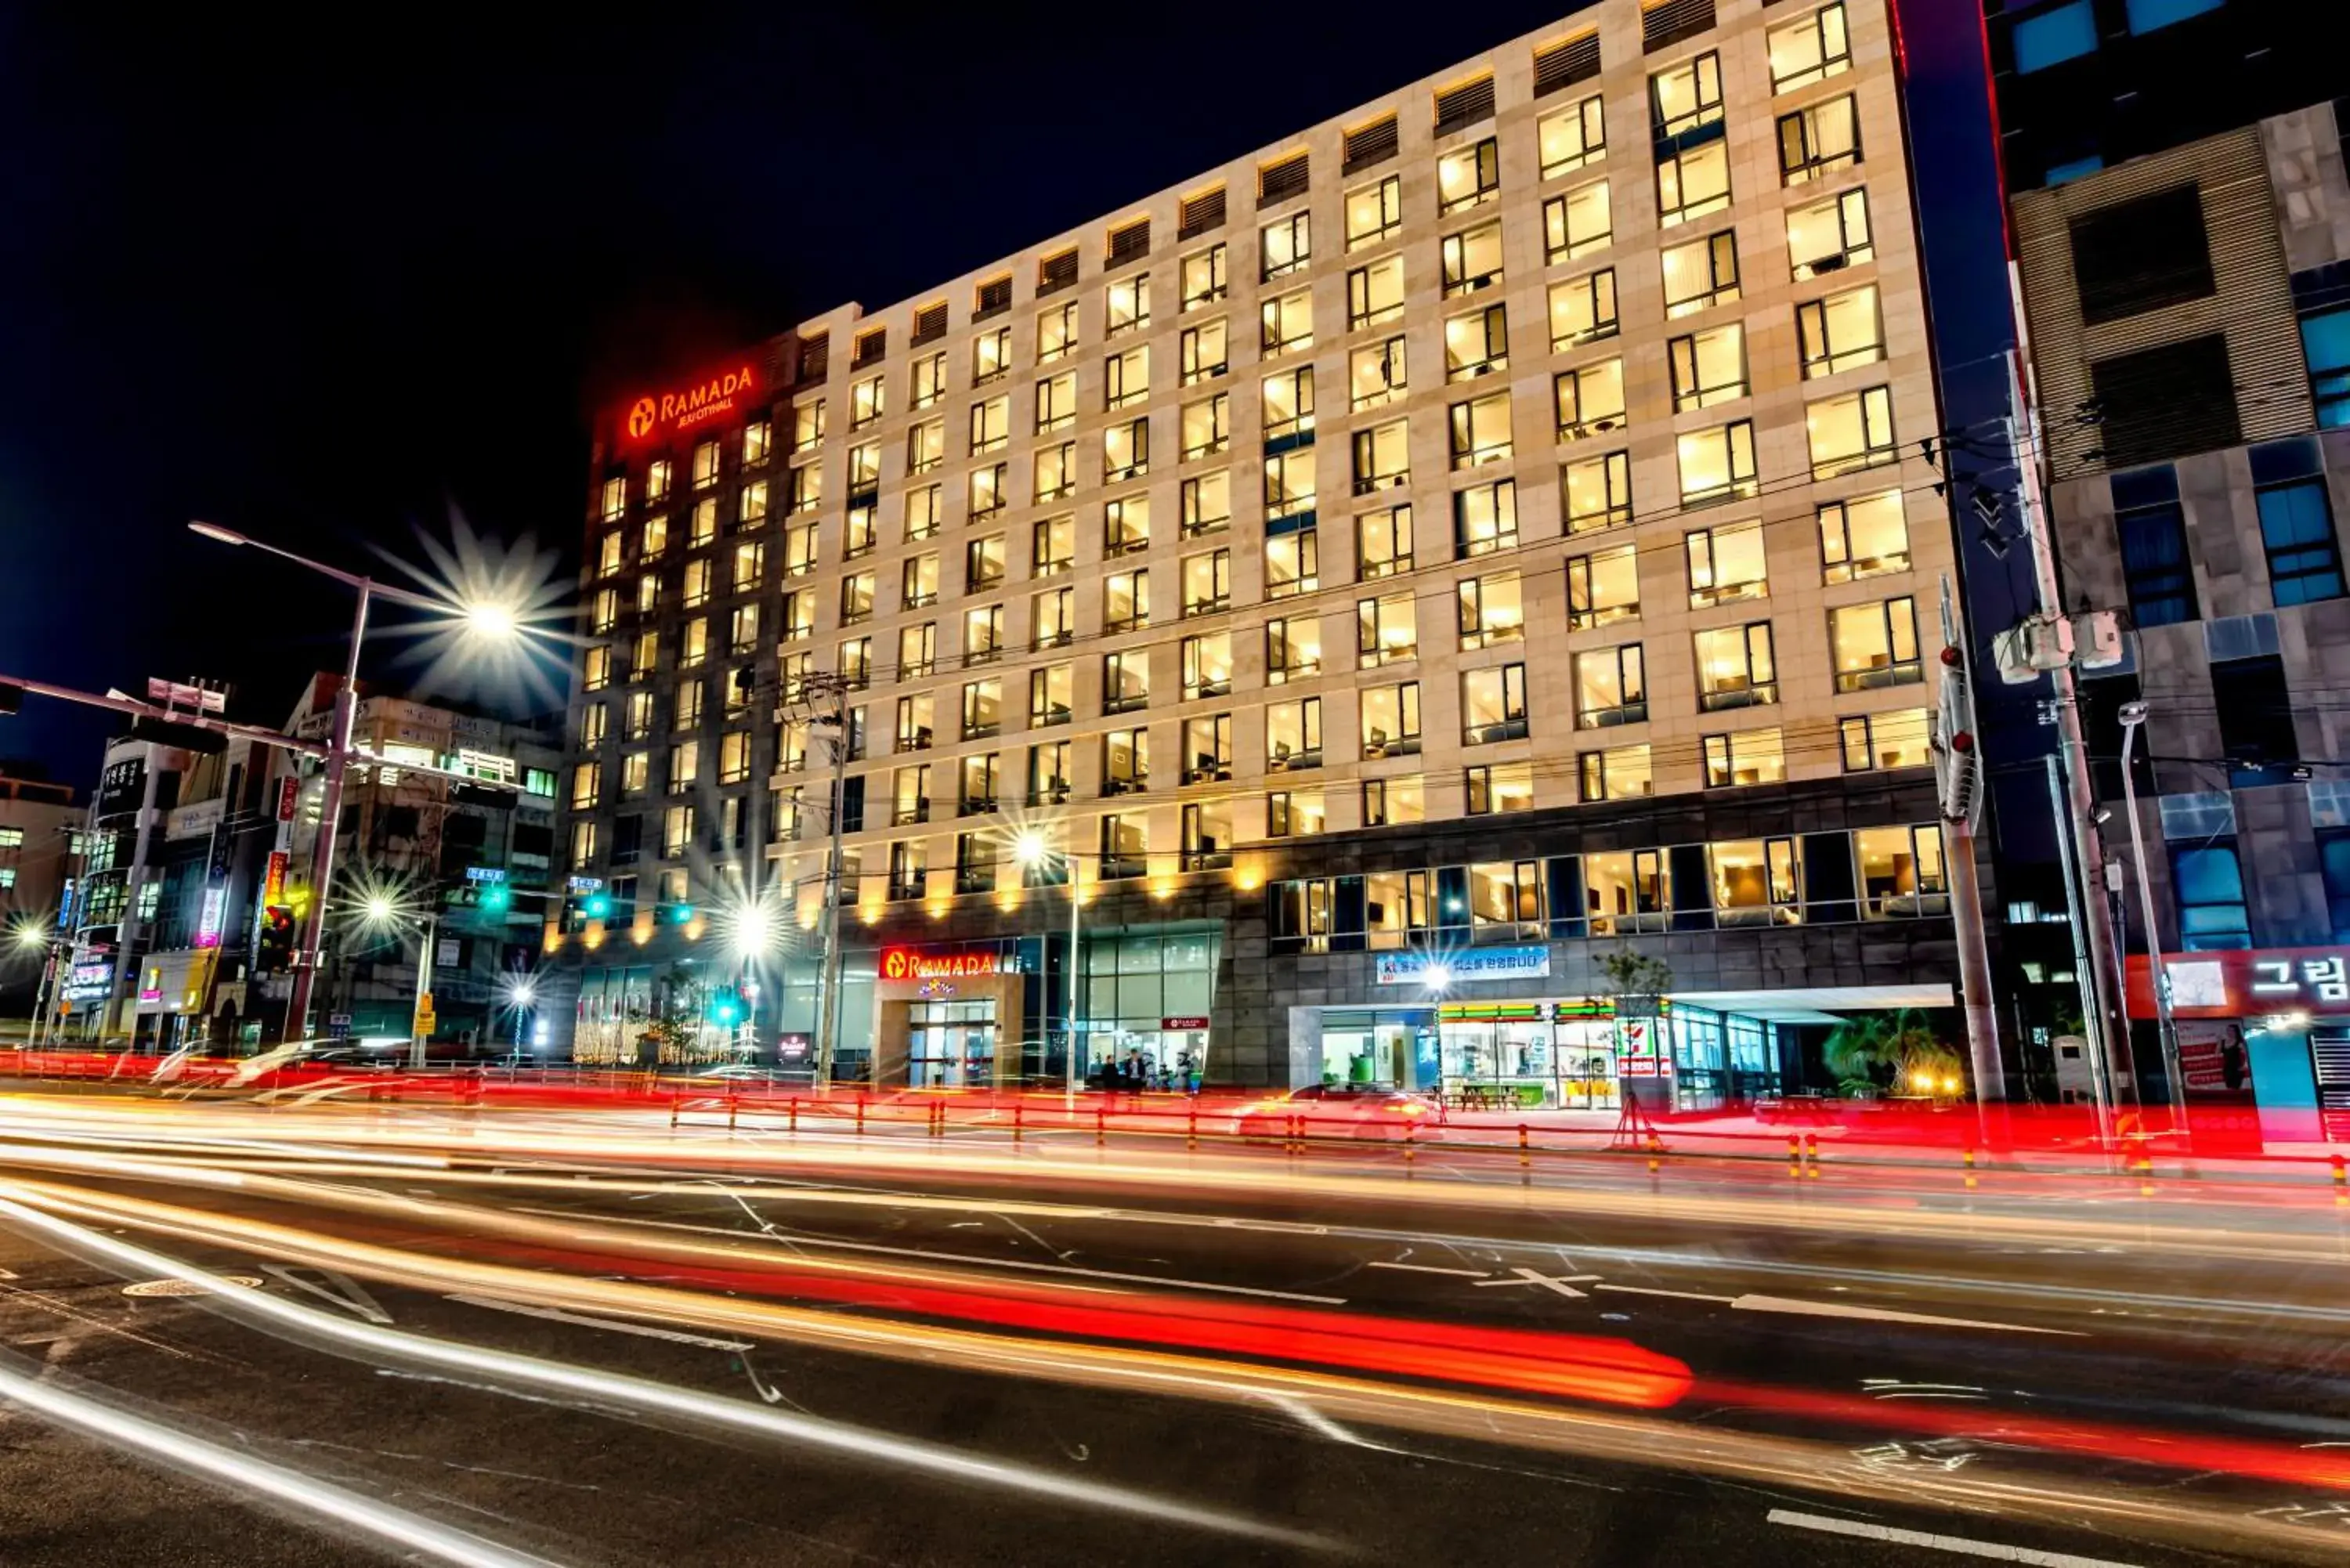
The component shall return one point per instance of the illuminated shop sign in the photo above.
(2246, 982)
(1420, 967)
(656, 414)
(913, 963)
(89, 981)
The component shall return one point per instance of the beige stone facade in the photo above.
(1802, 733)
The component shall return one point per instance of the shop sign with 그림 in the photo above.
(2246, 982)
(1415, 966)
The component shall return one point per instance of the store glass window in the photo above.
(2208, 880)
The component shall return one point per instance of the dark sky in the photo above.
(323, 287)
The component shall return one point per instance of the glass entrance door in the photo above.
(950, 1044)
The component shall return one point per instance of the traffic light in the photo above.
(496, 896)
(596, 906)
(726, 1009)
(274, 951)
(679, 914)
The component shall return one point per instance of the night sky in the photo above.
(323, 292)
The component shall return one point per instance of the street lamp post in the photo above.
(488, 619)
(2133, 715)
(1031, 850)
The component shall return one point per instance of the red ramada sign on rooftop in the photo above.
(657, 414)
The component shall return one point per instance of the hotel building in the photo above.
(1393, 569)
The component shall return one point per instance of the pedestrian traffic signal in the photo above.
(495, 897)
(596, 906)
(679, 914)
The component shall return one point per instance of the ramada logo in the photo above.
(712, 395)
(911, 963)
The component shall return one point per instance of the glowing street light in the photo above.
(322, 864)
(1030, 850)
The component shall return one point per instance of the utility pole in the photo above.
(1958, 776)
(2133, 716)
(824, 695)
(2083, 887)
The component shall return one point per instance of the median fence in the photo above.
(1813, 1142)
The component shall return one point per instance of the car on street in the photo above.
(1340, 1110)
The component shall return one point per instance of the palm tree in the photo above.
(1877, 1051)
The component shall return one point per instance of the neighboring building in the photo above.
(1401, 564)
(189, 848)
(38, 822)
(2181, 224)
(478, 854)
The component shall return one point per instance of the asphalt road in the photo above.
(945, 1351)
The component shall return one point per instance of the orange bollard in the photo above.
(1795, 1156)
(2341, 1182)
(1191, 1128)
(860, 1115)
(1812, 1156)
(1101, 1129)
(1526, 1158)
(1971, 1168)
(673, 1104)
(795, 1114)
(733, 1105)
(1017, 1107)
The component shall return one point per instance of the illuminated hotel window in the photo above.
(705, 464)
(991, 355)
(868, 401)
(1865, 536)
(1377, 373)
(657, 479)
(1285, 246)
(1481, 430)
(1620, 773)
(926, 381)
(1492, 610)
(1717, 464)
(1057, 405)
(1055, 469)
(1375, 293)
(925, 507)
(926, 446)
(1127, 305)
(1472, 259)
(1572, 137)
(1576, 223)
(1207, 503)
(1692, 183)
(1500, 787)
(1603, 588)
(807, 426)
(1746, 757)
(1126, 524)
(1203, 352)
(616, 498)
(1853, 431)
(991, 425)
(1288, 323)
(1208, 665)
(1203, 277)
(1702, 272)
(755, 440)
(1899, 738)
(1375, 211)
(1485, 518)
(1126, 377)
(1469, 176)
(1387, 631)
(1125, 451)
(1840, 332)
(1207, 426)
(1726, 565)
(1391, 802)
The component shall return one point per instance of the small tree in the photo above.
(1637, 978)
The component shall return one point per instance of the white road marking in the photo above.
(340, 1289)
(1836, 1309)
(1884, 1315)
(1020, 1263)
(1952, 1543)
(1561, 1284)
(557, 1314)
(1431, 1269)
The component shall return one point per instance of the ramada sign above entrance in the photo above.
(657, 414)
(913, 963)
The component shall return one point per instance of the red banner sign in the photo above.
(913, 963)
(273, 886)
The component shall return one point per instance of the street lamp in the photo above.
(488, 619)
(382, 907)
(2133, 715)
(1030, 849)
